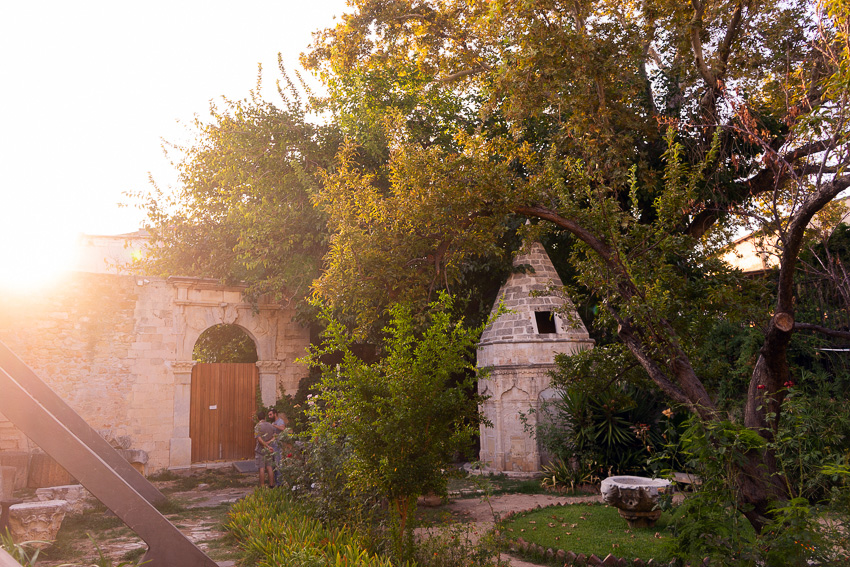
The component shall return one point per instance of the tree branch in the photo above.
(696, 43)
(482, 67)
(601, 248)
(822, 330)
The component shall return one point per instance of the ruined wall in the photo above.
(118, 350)
(77, 335)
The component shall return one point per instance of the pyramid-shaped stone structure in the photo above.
(518, 349)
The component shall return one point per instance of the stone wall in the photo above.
(77, 335)
(117, 349)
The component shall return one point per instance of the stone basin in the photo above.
(635, 497)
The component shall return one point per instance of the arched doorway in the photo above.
(223, 395)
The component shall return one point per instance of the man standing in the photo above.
(264, 450)
(279, 424)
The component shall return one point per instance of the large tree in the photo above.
(643, 129)
(243, 210)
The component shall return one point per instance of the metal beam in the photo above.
(167, 546)
(45, 395)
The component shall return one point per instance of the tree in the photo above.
(642, 129)
(243, 212)
(648, 131)
(224, 343)
(405, 416)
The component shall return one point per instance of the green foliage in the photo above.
(709, 522)
(313, 470)
(814, 434)
(224, 343)
(272, 530)
(26, 553)
(295, 407)
(403, 417)
(648, 131)
(456, 546)
(597, 428)
(570, 476)
(243, 210)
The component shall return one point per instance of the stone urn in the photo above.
(635, 497)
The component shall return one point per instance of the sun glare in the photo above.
(30, 261)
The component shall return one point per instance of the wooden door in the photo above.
(223, 404)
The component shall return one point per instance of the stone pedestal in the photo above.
(36, 521)
(77, 499)
(8, 476)
(635, 497)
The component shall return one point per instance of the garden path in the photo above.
(480, 512)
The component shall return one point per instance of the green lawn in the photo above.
(590, 528)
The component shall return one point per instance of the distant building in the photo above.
(758, 252)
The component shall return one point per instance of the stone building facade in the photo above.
(118, 349)
(519, 349)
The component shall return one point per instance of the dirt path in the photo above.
(205, 502)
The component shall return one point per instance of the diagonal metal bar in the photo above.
(76, 424)
(7, 560)
(167, 546)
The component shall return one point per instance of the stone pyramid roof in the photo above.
(533, 318)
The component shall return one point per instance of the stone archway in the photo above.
(223, 394)
(200, 305)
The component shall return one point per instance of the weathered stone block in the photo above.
(77, 498)
(36, 521)
(8, 475)
(20, 460)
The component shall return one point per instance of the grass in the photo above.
(590, 529)
(216, 479)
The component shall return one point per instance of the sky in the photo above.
(88, 91)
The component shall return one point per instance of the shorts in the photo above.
(264, 458)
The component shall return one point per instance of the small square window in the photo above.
(545, 322)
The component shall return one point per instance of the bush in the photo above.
(709, 524)
(273, 530)
(595, 434)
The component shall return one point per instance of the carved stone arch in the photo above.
(245, 329)
(515, 393)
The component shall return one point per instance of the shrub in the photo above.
(404, 417)
(273, 530)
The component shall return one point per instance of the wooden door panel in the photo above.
(222, 402)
